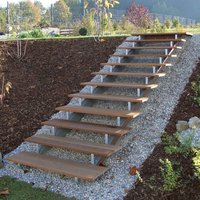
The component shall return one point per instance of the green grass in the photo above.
(66, 37)
(19, 190)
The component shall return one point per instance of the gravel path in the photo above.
(137, 145)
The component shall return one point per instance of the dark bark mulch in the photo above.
(189, 188)
(41, 81)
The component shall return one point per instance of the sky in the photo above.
(46, 3)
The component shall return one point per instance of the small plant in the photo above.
(172, 144)
(196, 162)
(83, 31)
(151, 182)
(170, 177)
(134, 171)
(196, 89)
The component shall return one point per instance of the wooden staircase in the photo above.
(128, 66)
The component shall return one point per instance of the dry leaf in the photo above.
(133, 171)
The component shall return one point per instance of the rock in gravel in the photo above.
(194, 123)
(1, 160)
(182, 126)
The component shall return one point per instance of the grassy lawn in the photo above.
(11, 189)
(67, 37)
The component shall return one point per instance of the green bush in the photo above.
(24, 35)
(196, 162)
(36, 33)
(170, 177)
(83, 31)
(196, 89)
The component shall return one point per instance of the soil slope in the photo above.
(42, 80)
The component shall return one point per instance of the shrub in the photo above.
(196, 89)
(25, 35)
(168, 23)
(138, 15)
(157, 26)
(176, 23)
(170, 177)
(83, 31)
(36, 33)
(196, 162)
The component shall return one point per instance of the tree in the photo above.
(138, 15)
(2, 20)
(61, 13)
(45, 15)
(101, 12)
(29, 14)
(75, 7)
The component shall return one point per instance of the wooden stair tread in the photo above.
(99, 111)
(85, 126)
(121, 85)
(144, 55)
(151, 47)
(77, 145)
(157, 40)
(62, 167)
(129, 74)
(161, 34)
(137, 64)
(109, 97)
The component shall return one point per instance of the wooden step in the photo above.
(99, 111)
(76, 145)
(55, 165)
(144, 55)
(88, 127)
(161, 34)
(120, 85)
(150, 47)
(157, 40)
(138, 64)
(129, 74)
(109, 97)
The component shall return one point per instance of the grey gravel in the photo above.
(137, 145)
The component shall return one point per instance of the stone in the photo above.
(194, 123)
(182, 125)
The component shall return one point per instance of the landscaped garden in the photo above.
(158, 154)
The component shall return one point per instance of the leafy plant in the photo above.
(172, 144)
(196, 89)
(196, 162)
(170, 176)
(152, 182)
(36, 33)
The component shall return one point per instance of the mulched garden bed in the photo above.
(42, 80)
(189, 187)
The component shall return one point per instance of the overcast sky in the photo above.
(46, 3)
